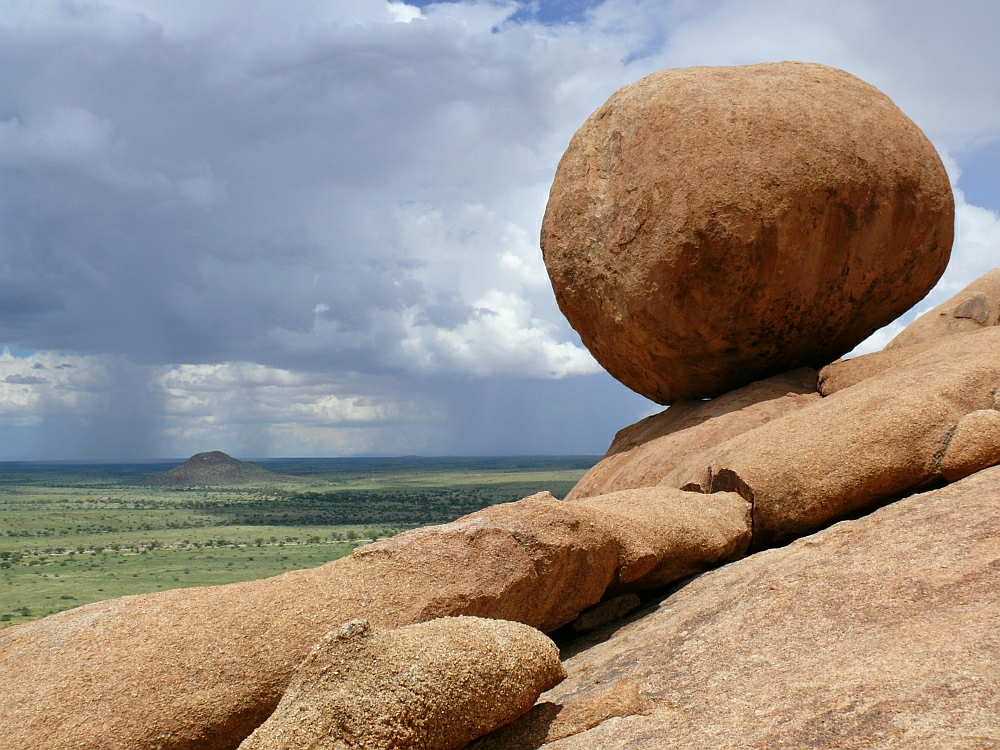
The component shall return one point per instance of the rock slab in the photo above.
(878, 440)
(663, 535)
(201, 668)
(708, 227)
(872, 634)
(644, 453)
(436, 685)
(972, 309)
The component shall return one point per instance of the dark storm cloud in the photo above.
(122, 420)
(497, 416)
(196, 198)
(25, 380)
(308, 228)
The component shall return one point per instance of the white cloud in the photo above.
(251, 393)
(403, 13)
(256, 410)
(46, 383)
(243, 407)
(500, 337)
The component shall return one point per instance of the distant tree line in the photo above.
(366, 507)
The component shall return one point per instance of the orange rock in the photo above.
(645, 452)
(972, 309)
(883, 438)
(847, 372)
(708, 227)
(665, 534)
(875, 634)
(607, 611)
(974, 446)
(435, 685)
(202, 667)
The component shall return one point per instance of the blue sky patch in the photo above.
(549, 12)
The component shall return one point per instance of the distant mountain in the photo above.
(215, 468)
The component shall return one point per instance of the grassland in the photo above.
(74, 534)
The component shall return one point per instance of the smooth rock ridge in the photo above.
(974, 308)
(644, 453)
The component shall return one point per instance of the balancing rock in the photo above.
(709, 227)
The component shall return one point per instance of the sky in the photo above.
(311, 228)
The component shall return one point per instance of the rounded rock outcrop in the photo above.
(435, 685)
(708, 227)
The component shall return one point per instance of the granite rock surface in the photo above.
(435, 685)
(882, 439)
(644, 453)
(872, 634)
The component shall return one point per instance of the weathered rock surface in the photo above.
(645, 452)
(663, 534)
(974, 446)
(708, 227)
(881, 439)
(435, 685)
(607, 611)
(875, 633)
(972, 309)
(222, 656)
(847, 372)
(547, 563)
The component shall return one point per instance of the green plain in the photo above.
(71, 534)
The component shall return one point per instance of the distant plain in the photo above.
(74, 533)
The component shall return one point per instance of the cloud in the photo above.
(69, 135)
(256, 410)
(25, 380)
(104, 408)
(347, 196)
(403, 13)
(93, 407)
(500, 337)
(219, 177)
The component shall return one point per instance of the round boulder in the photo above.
(709, 227)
